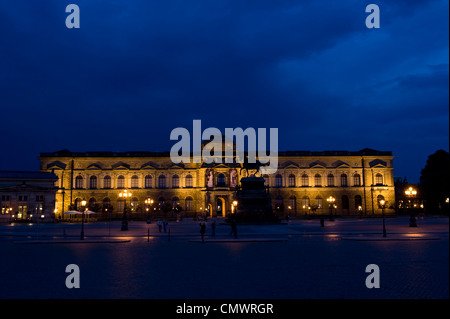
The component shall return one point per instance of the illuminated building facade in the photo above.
(27, 196)
(302, 184)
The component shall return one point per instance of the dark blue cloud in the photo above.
(137, 69)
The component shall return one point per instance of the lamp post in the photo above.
(234, 206)
(411, 193)
(149, 203)
(383, 206)
(125, 194)
(331, 201)
(83, 207)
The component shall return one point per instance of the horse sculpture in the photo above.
(252, 167)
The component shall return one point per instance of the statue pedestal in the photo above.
(254, 202)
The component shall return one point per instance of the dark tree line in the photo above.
(435, 182)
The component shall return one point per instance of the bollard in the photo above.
(148, 235)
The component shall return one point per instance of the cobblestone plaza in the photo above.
(298, 260)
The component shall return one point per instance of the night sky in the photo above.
(135, 70)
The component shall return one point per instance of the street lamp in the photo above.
(83, 207)
(125, 194)
(331, 201)
(149, 203)
(411, 193)
(383, 206)
(234, 206)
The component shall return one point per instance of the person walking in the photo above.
(234, 228)
(203, 230)
(159, 223)
(165, 225)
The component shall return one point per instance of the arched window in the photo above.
(330, 180)
(220, 180)
(379, 179)
(344, 180)
(120, 205)
(188, 181)
(92, 203)
(77, 204)
(107, 182)
(106, 204)
(175, 202)
(93, 182)
(148, 181)
(279, 203)
(189, 207)
(121, 182)
(319, 202)
(134, 204)
(161, 181)
(305, 180)
(79, 182)
(345, 202)
(292, 203)
(278, 180)
(356, 180)
(134, 181)
(291, 180)
(358, 202)
(318, 180)
(175, 181)
(305, 202)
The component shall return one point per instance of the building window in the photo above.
(344, 180)
(121, 182)
(107, 182)
(278, 180)
(330, 180)
(357, 180)
(120, 205)
(318, 180)
(319, 202)
(92, 204)
(291, 180)
(305, 180)
(221, 180)
(148, 181)
(175, 181)
(292, 204)
(175, 202)
(188, 181)
(379, 198)
(305, 202)
(106, 204)
(134, 182)
(93, 182)
(345, 202)
(279, 203)
(79, 182)
(358, 202)
(189, 204)
(161, 181)
(134, 204)
(379, 179)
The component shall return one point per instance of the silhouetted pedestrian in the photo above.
(234, 228)
(322, 222)
(159, 223)
(165, 225)
(203, 230)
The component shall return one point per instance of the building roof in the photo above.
(67, 153)
(27, 175)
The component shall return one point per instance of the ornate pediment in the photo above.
(121, 165)
(317, 164)
(378, 163)
(56, 165)
(340, 164)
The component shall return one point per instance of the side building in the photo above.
(302, 184)
(27, 196)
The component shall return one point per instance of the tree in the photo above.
(435, 181)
